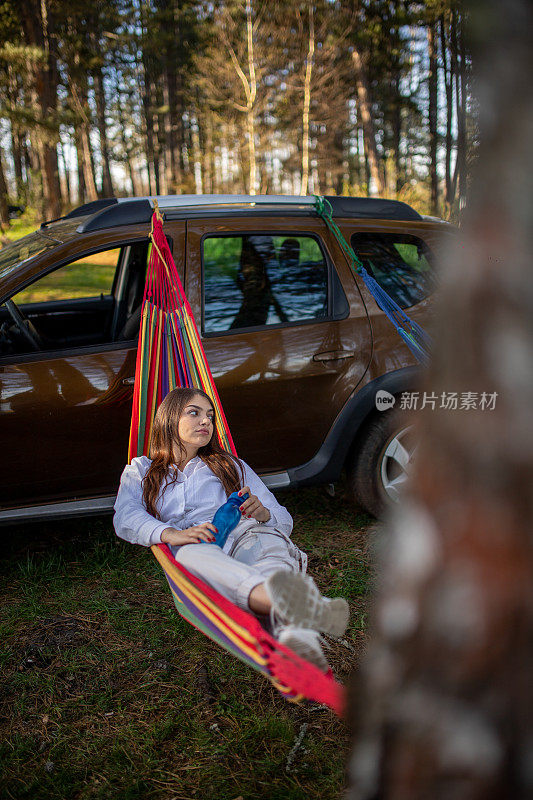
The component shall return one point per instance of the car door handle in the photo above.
(128, 381)
(333, 355)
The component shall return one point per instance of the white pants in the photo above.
(255, 553)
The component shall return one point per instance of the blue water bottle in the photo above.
(228, 517)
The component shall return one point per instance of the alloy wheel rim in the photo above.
(396, 463)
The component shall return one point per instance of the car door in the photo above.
(65, 413)
(284, 329)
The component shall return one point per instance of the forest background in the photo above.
(366, 97)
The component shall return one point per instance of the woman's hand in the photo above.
(194, 535)
(253, 507)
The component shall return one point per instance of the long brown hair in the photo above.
(165, 437)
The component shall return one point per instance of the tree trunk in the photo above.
(448, 83)
(4, 211)
(196, 155)
(171, 132)
(79, 161)
(364, 109)
(88, 171)
(462, 142)
(397, 136)
(16, 150)
(307, 101)
(433, 115)
(250, 114)
(206, 131)
(99, 92)
(66, 173)
(459, 177)
(38, 31)
(445, 694)
(83, 144)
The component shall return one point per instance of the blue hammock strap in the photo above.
(414, 336)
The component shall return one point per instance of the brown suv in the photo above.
(297, 346)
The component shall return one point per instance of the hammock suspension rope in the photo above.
(414, 336)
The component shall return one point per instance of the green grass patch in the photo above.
(21, 226)
(108, 693)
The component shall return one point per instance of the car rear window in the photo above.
(261, 280)
(402, 264)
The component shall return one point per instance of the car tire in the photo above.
(381, 460)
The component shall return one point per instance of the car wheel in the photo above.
(382, 461)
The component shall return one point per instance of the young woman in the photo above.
(173, 496)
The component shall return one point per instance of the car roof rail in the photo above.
(85, 209)
(371, 208)
(138, 210)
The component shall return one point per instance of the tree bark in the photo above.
(66, 174)
(16, 150)
(448, 83)
(136, 188)
(206, 133)
(79, 96)
(250, 100)
(99, 92)
(79, 163)
(433, 115)
(364, 108)
(37, 25)
(397, 136)
(307, 101)
(4, 211)
(459, 68)
(462, 134)
(445, 694)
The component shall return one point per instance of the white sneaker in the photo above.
(297, 600)
(304, 642)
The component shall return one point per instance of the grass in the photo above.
(21, 226)
(108, 693)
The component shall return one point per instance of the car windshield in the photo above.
(16, 253)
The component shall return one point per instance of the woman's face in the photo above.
(195, 427)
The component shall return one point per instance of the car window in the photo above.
(402, 264)
(86, 277)
(261, 280)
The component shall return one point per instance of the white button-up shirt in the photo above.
(192, 500)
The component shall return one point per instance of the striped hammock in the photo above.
(170, 354)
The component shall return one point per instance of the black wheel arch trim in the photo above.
(326, 465)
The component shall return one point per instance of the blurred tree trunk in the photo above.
(79, 163)
(307, 102)
(445, 694)
(397, 136)
(433, 115)
(68, 195)
(457, 51)
(4, 211)
(172, 164)
(448, 84)
(16, 151)
(83, 144)
(37, 24)
(99, 94)
(364, 110)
